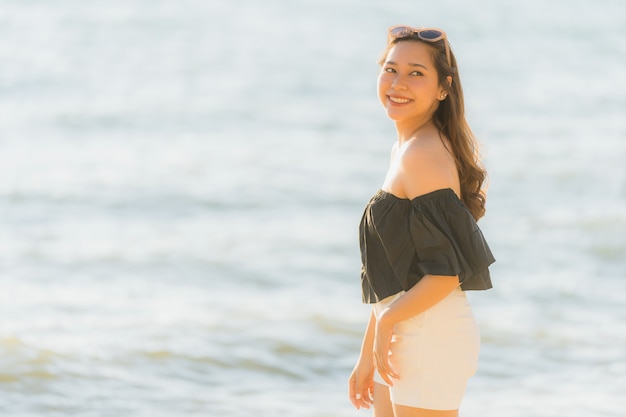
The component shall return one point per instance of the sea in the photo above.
(181, 184)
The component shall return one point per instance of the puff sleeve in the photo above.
(448, 241)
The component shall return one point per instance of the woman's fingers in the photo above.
(367, 391)
(385, 376)
(361, 401)
(360, 393)
(364, 398)
(355, 395)
(385, 370)
(382, 342)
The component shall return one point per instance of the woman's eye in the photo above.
(418, 73)
(391, 70)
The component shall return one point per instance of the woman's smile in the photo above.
(399, 100)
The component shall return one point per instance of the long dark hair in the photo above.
(450, 120)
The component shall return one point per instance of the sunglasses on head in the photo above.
(425, 34)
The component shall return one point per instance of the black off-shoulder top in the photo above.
(403, 240)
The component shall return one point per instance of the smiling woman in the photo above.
(420, 245)
(408, 85)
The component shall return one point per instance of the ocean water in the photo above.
(181, 184)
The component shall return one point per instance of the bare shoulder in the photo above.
(428, 165)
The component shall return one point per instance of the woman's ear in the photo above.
(443, 93)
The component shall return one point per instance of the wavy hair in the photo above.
(451, 122)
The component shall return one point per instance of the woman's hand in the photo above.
(382, 342)
(361, 383)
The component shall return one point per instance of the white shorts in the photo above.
(434, 353)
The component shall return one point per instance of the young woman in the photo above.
(420, 245)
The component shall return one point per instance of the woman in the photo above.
(420, 245)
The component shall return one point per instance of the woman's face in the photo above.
(408, 85)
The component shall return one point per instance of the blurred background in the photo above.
(181, 184)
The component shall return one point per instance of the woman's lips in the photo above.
(398, 100)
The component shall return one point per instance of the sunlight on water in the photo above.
(181, 185)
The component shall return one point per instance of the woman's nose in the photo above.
(398, 83)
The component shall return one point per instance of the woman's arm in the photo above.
(361, 382)
(368, 338)
(430, 290)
